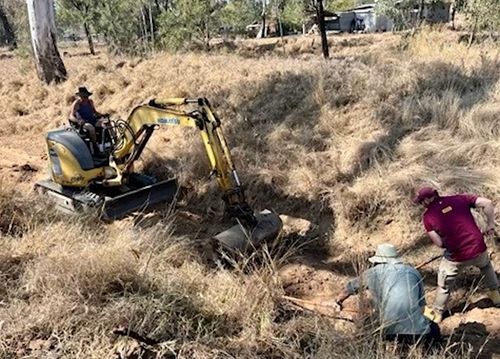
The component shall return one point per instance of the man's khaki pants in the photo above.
(448, 272)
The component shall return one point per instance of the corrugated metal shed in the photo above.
(372, 21)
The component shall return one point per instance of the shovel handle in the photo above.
(428, 261)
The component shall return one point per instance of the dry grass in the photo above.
(341, 143)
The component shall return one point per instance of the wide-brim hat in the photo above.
(82, 91)
(386, 253)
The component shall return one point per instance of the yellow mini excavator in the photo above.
(81, 179)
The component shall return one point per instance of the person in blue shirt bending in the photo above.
(398, 294)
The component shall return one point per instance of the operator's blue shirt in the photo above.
(86, 111)
(398, 295)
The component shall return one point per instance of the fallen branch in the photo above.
(300, 307)
(302, 304)
(310, 302)
(125, 332)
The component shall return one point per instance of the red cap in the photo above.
(424, 193)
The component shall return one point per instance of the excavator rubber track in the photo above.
(111, 203)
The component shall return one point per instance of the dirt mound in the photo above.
(474, 334)
(26, 171)
(303, 281)
(487, 316)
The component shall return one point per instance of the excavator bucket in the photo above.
(139, 199)
(241, 239)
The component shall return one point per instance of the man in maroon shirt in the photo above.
(450, 225)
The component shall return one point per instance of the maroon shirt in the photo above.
(452, 219)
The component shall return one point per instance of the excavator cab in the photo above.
(80, 179)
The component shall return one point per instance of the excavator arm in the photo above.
(145, 119)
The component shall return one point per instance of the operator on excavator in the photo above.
(84, 116)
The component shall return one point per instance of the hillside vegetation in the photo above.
(338, 146)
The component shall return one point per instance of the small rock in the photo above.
(296, 225)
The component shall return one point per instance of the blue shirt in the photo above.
(87, 112)
(398, 294)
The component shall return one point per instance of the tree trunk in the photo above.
(453, 11)
(207, 33)
(472, 36)
(281, 34)
(421, 9)
(151, 25)
(320, 15)
(9, 37)
(89, 38)
(48, 61)
(263, 27)
(145, 27)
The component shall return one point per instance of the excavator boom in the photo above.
(252, 229)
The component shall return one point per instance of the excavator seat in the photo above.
(102, 134)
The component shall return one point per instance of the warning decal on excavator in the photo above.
(169, 121)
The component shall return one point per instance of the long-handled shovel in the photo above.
(428, 261)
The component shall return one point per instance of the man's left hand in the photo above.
(490, 230)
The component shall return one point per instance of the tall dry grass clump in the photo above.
(342, 143)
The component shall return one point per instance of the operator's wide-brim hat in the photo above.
(386, 253)
(82, 91)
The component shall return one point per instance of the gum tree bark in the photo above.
(263, 26)
(9, 37)
(50, 67)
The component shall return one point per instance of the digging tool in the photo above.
(496, 239)
(423, 264)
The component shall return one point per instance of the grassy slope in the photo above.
(341, 143)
